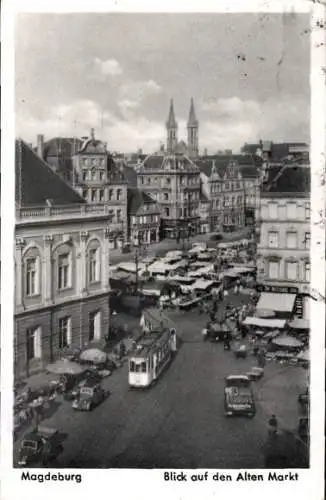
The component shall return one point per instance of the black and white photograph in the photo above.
(162, 243)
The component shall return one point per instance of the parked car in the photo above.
(40, 446)
(89, 396)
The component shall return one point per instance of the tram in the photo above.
(150, 356)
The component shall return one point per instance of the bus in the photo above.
(151, 354)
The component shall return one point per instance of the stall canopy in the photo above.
(264, 323)
(299, 324)
(280, 302)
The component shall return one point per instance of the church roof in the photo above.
(192, 120)
(171, 123)
(37, 184)
(61, 146)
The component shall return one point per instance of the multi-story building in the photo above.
(222, 184)
(92, 171)
(173, 181)
(144, 218)
(283, 259)
(61, 265)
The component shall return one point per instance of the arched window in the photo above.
(63, 274)
(32, 272)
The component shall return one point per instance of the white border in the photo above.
(142, 484)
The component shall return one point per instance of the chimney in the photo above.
(40, 145)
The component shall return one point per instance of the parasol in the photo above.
(287, 341)
(65, 367)
(94, 356)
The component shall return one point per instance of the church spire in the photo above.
(192, 120)
(192, 128)
(171, 128)
(171, 123)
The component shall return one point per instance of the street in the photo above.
(177, 423)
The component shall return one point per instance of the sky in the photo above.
(116, 73)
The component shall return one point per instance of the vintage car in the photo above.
(240, 350)
(238, 396)
(90, 395)
(40, 446)
(256, 373)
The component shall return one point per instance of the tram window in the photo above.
(143, 367)
(137, 370)
(132, 366)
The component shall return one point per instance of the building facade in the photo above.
(283, 259)
(145, 218)
(222, 184)
(173, 181)
(61, 266)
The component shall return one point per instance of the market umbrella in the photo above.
(287, 341)
(265, 313)
(94, 356)
(65, 367)
(258, 332)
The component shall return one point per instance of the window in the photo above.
(291, 271)
(94, 265)
(101, 175)
(32, 276)
(132, 366)
(273, 269)
(291, 211)
(110, 194)
(85, 193)
(119, 211)
(226, 201)
(85, 175)
(64, 332)
(165, 196)
(94, 326)
(272, 210)
(93, 195)
(143, 367)
(33, 343)
(167, 212)
(64, 268)
(307, 241)
(272, 239)
(306, 271)
(101, 194)
(291, 240)
(307, 212)
(119, 194)
(168, 181)
(94, 174)
(141, 180)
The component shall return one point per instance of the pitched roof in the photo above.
(288, 180)
(278, 151)
(192, 120)
(137, 198)
(37, 184)
(249, 171)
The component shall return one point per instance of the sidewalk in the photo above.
(278, 393)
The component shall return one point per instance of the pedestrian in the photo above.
(272, 425)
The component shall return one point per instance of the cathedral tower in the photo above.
(172, 129)
(192, 128)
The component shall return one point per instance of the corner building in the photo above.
(61, 266)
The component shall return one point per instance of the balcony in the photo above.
(61, 213)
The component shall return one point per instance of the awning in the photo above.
(262, 322)
(300, 324)
(280, 302)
